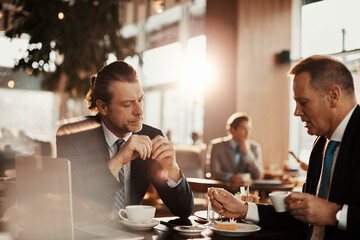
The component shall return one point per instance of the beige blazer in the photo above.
(222, 159)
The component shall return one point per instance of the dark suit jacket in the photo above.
(344, 187)
(93, 184)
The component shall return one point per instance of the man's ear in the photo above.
(334, 95)
(102, 107)
(231, 131)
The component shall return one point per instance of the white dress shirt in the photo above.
(112, 147)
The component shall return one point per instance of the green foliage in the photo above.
(89, 31)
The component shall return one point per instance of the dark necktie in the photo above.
(120, 194)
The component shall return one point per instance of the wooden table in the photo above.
(164, 231)
(201, 185)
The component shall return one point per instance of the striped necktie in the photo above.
(120, 194)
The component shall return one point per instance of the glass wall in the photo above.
(28, 115)
(328, 27)
(173, 79)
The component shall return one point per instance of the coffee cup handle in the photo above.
(120, 214)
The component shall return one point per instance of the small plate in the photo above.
(189, 230)
(203, 214)
(242, 229)
(141, 226)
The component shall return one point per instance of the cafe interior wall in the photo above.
(243, 41)
(252, 79)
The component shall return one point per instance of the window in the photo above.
(328, 27)
(173, 83)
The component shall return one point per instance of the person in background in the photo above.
(232, 156)
(169, 135)
(7, 159)
(198, 141)
(329, 208)
(114, 156)
(195, 136)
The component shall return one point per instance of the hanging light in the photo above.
(158, 5)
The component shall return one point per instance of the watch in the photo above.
(338, 214)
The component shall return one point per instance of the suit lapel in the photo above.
(315, 164)
(230, 155)
(343, 160)
(96, 140)
(99, 145)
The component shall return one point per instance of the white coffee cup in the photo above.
(278, 200)
(246, 177)
(138, 213)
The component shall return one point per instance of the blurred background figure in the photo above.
(234, 157)
(7, 159)
(169, 135)
(26, 144)
(7, 137)
(197, 139)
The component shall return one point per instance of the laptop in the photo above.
(45, 202)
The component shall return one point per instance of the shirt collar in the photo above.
(233, 144)
(110, 137)
(339, 131)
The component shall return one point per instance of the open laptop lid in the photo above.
(45, 202)
(44, 197)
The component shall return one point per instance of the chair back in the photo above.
(190, 160)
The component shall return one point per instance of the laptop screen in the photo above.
(44, 197)
(45, 202)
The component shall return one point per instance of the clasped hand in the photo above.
(159, 149)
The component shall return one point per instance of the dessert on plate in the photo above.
(230, 225)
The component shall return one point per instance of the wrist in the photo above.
(173, 173)
(244, 210)
(115, 165)
(114, 168)
(336, 216)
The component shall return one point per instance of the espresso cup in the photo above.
(278, 200)
(138, 213)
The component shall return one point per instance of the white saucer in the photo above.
(189, 230)
(203, 214)
(140, 226)
(242, 229)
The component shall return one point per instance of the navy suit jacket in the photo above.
(344, 187)
(93, 184)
